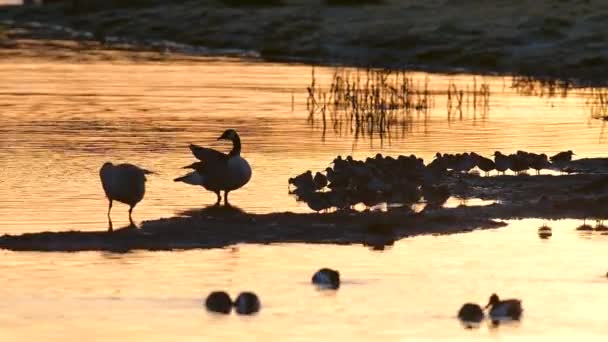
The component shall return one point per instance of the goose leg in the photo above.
(225, 197)
(110, 227)
(130, 218)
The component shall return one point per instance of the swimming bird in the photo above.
(218, 171)
(544, 232)
(508, 308)
(327, 278)
(219, 301)
(247, 303)
(470, 312)
(124, 183)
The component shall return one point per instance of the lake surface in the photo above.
(61, 120)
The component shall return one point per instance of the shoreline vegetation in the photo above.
(554, 39)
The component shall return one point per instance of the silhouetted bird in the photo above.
(124, 183)
(562, 157)
(544, 232)
(320, 180)
(508, 308)
(484, 164)
(218, 171)
(539, 162)
(219, 301)
(470, 312)
(501, 162)
(247, 303)
(519, 163)
(304, 180)
(327, 278)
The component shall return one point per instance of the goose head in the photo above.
(106, 169)
(232, 135)
(229, 134)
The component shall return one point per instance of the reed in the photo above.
(476, 96)
(597, 102)
(541, 87)
(366, 102)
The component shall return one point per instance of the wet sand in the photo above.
(582, 195)
(552, 38)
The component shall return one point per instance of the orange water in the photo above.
(61, 121)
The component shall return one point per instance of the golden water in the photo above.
(62, 120)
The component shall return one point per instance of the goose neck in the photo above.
(236, 146)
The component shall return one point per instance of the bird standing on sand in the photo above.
(485, 164)
(217, 171)
(562, 157)
(501, 162)
(124, 183)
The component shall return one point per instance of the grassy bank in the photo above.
(549, 38)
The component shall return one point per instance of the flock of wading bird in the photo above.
(406, 179)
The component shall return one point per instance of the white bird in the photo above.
(124, 183)
(217, 171)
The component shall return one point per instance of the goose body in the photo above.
(217, 171)
(125, 183)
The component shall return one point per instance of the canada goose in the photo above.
(508, 308)
(247, 303)
(219, 301)
(124, 183)
(327, 278)
(470, 312)
(218, 171)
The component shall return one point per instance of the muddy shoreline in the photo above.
(553, 39)
(582, 196)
